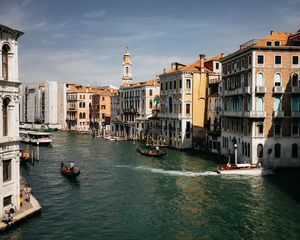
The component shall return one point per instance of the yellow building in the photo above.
(183, 92)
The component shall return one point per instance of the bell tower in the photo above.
(127, 75)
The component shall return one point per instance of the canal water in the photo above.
(124, 195)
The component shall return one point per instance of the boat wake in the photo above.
(171, 172)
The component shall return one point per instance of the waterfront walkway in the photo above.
(27, 209)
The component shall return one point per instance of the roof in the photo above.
(13, 32)
(153, 82)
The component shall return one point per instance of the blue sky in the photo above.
(83, 41)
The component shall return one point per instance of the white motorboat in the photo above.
(36, 138)
(243, 169)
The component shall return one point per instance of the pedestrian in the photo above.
(7, 218)
(21, 199)
(27, 197)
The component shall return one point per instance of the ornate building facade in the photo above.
(9, 119)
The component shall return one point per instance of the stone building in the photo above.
(9, 119)
(261, 101)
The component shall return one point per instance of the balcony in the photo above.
(295, 89)
(260, 89)
(255, 114)
(247, 90)
(71, 119)
(233, 113)
(278, 89)
(295, 114)
(278, 114)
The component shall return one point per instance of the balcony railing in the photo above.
(255, 114)
(233, 113)
(295, 114)
(295, 89)
(247, 90)
(260, 89)
(278, 114)
(278, 89)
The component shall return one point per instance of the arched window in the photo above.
(5, 51)
(277, 104)
(80, 115)
(259, 104)
(170, 104)
(80, 104)
(277, 80)
(249, 79)
(260, 79)
(277, 150)
(260, 151)
(294, 150)
(83, 115)
(5, 116)
(260, 128)
(150, 104)
(295, 79)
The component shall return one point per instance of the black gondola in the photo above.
(151, 151)
(69, 170)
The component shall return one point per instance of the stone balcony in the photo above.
(296, 89)
(295, 114)
(233, 113)
(278, 89)
(260, 89)
(255, 114)
(278, 114)
(247, 90)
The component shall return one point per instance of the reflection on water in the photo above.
(121, 194)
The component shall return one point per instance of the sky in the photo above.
(83, 41)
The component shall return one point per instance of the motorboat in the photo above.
(36, 138)
(242, 169)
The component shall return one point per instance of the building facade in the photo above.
(261, 101)
(9, 119)
(183, 92)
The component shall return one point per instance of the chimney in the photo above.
(222, 55)
(173, 65)
(202, 56)
(164, 70)
(271, 32)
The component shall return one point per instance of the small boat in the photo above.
(151, 151)
(36, 138)
(243, 169)
(69, 170)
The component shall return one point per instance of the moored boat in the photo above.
(69, 170)
(151, 151)
(36, 138)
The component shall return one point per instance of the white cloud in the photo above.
(95, 14)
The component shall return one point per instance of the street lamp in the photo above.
(235, 153)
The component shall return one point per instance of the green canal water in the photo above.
(124, 195)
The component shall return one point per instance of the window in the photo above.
(187, 108)
(180, 83)
(277, 60)
(5, 116)
(294, 150)
(277, 80)
(295, 79)
(295, 127)
(103, 107)
(80, 104)
(248, 150)
(260, 128)
(277, 128)
(174, 84)
(103, 98)
(188, 126)
(277, 104)
(260, 151)
(250, 60)
(294, 104)
(217, 66)
(150, 92)
(188, 84)
(243, 62)
(80, 115)
(150, 104)
(259, 104)
(249, 127)
(170, 85)
(277, 150)
(295, 60)
(170, 105)
(5, 51)
(7, 200)
(260, 79)
(249, 79)
(161, 87)
(6, 170)
(269, 43)
(277, 43)
(260, 59)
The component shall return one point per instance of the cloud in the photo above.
(95, 14)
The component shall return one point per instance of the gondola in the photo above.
(69, 170)
(151, 151)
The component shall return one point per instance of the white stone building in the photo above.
(9, 119)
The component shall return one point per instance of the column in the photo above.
(1, 77)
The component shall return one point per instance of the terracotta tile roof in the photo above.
(153, 82)
(215, 58)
